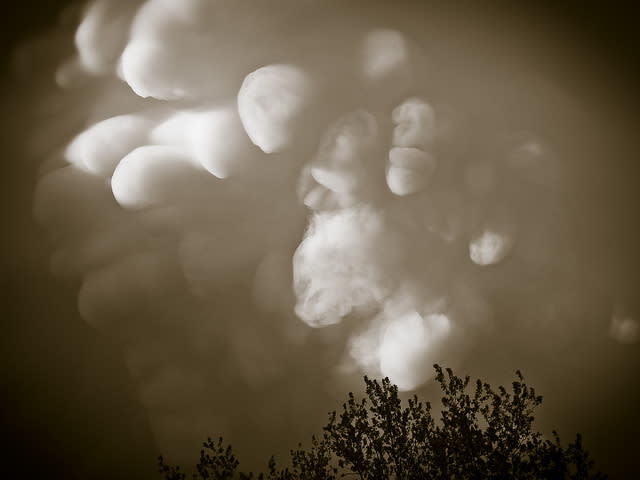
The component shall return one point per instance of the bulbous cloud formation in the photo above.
(260, 189)
(333, 273)
(272, 102)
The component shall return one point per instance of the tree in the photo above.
(482, 434)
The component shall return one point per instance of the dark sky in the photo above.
(70, 410)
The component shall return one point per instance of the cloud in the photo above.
(266, 218)
(272, 103)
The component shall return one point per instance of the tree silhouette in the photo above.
(482, 434)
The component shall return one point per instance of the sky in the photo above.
(219, 217)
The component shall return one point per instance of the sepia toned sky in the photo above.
(218, 218)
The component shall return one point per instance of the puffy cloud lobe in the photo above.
(221, 145)
(387, 64)
(343, 172)
(214, 137)
(489, 247)
(407, 347)
(158, 17)
(157, 174)
(189, 49)
(385, 51)
(272, 103)
(411, 160)
(416, 326)
(104, 32)
(333, 273)
(320, 198)
(346, 159)
(166, 58)
(317, 197)
(152, 71)
(415, 124)
(100, 148)
(493, 241)
(409, 170)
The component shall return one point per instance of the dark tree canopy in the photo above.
(481, 434)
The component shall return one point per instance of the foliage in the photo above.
(484, 434)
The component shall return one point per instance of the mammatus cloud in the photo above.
(267, 216)
(272, 103)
